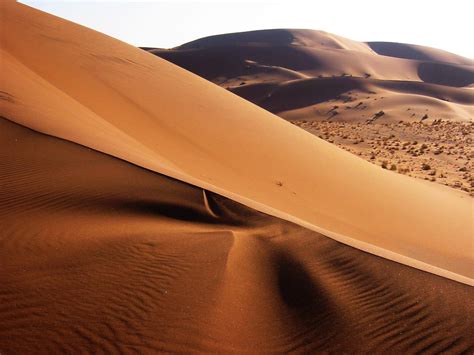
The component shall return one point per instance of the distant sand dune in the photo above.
(311, 91)
(256, 64)
(316, 79)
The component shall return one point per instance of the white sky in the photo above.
(441, 24)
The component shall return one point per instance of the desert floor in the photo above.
(438, 151)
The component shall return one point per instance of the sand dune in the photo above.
(144, 210)
(101, 256)
(109, 96)
(313, 78)
(311, 91)
(260, 64)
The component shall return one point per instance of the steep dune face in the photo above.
(98, 255)
(447, 74)
(259, 64)
(87, 88)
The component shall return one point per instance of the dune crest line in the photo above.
(172, 122)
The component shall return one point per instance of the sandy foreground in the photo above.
(99, 255)
(144, 209)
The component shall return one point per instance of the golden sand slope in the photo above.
(74, 83)
(346, 90)
(100, 256)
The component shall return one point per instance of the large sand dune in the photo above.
(109, 96)
(101, 256)
(189, 234)
(332, 86)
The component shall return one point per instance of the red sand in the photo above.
(98, 255)
(109, 253)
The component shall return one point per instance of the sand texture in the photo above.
(144, 209)
(125, 102)
(142, 263)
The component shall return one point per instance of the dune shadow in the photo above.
(308, 92)
(296, 285)
(299, 290)
(165, 209)
(398, 50)
(219, 210)
(315, 317)
(232, 60)
(445, 74)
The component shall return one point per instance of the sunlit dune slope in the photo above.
(100, 256)
(328, 70)
(334, 87)
(71, 82)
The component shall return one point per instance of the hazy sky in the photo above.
(446, 25)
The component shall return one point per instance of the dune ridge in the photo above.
(265, 64)
(161, 107)
(100, 255)
(145, 210)
(341, 90)
(323, 39)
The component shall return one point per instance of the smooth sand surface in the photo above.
(74, 83)
(100, 256)
(345, 91)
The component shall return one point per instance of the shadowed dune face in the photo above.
(215, 62)
(399, 50)
(445, 74)
(259, 64)
(411, 51)
(306, 93)
(95, 258)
